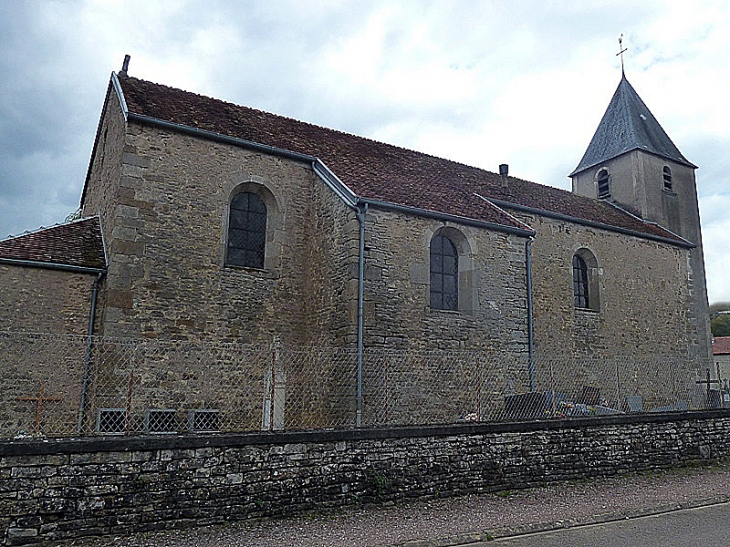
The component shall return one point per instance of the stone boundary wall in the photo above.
(67, 488)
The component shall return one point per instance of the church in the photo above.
(206, 221)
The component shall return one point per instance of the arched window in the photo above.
(586, 294)
(667, 178)
(444, 274)
(603, 189)
(581, 298)
(246, 231)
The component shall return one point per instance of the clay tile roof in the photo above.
(374, 170)
(76, 243)
(721, 345)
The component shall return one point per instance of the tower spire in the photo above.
(621, 51)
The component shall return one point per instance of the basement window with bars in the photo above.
(111, 421)
(203, 421)
(160, 420)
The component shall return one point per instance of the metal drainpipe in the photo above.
(87, 363)
(530, 336)
(361, 210)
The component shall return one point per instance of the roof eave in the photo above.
(52, 266)
(592, 224)
(580, 169)
(416, 211)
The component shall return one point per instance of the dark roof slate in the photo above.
(628, 125)
(374, 170)
(76, 243)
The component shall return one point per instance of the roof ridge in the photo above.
(371, 169)
(314, 125)
(43, 228)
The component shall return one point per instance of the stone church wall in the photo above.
(65, 489)
(492, 312)
(167, 277)
(108, 170)
(643, 294)
(46, 303)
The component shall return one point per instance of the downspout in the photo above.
(87, 362)
(530, 335)
(360, 213)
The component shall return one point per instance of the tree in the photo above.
(720, 325)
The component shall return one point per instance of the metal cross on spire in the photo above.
(621, 51)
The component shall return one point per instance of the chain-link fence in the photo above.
(74, 385)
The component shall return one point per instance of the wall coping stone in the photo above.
(78, 445)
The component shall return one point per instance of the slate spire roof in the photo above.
(628, 125)
(374, 170)
(76, 243)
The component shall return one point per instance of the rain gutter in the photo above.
(361, 210)
(530, 329)
(559, 216)
(51, 266)
(446, 217)
(87, 360)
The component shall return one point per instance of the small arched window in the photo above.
(603, 189)
(586, 294)
(667, 178)
(444, 274)
(246, 231)
(581, 297)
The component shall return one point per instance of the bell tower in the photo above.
(632, 163)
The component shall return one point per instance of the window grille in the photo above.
(444, 274)
(111, 421)
(158, 420)
(203, 420)
(247, 231)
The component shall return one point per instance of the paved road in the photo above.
(704, 526)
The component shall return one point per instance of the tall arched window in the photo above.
(586, 293)
(581, 298)
(604, 190)
(246, 231)
(444, 274)
(667, 172)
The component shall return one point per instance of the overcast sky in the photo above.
(480, 82)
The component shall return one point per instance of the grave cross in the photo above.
(709, 383)
(40, 399)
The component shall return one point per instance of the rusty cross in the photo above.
(40, 399)
(621, 51)
(709, 381)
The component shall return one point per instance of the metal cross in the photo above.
(621, 51)
(39, 407)
(709, 383)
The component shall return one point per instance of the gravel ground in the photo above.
(455, 518)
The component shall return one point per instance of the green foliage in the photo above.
(720, 325)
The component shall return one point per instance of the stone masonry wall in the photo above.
(54, 490)
(493, 290)
(643, 293)
(167, 278)
(44, 301)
